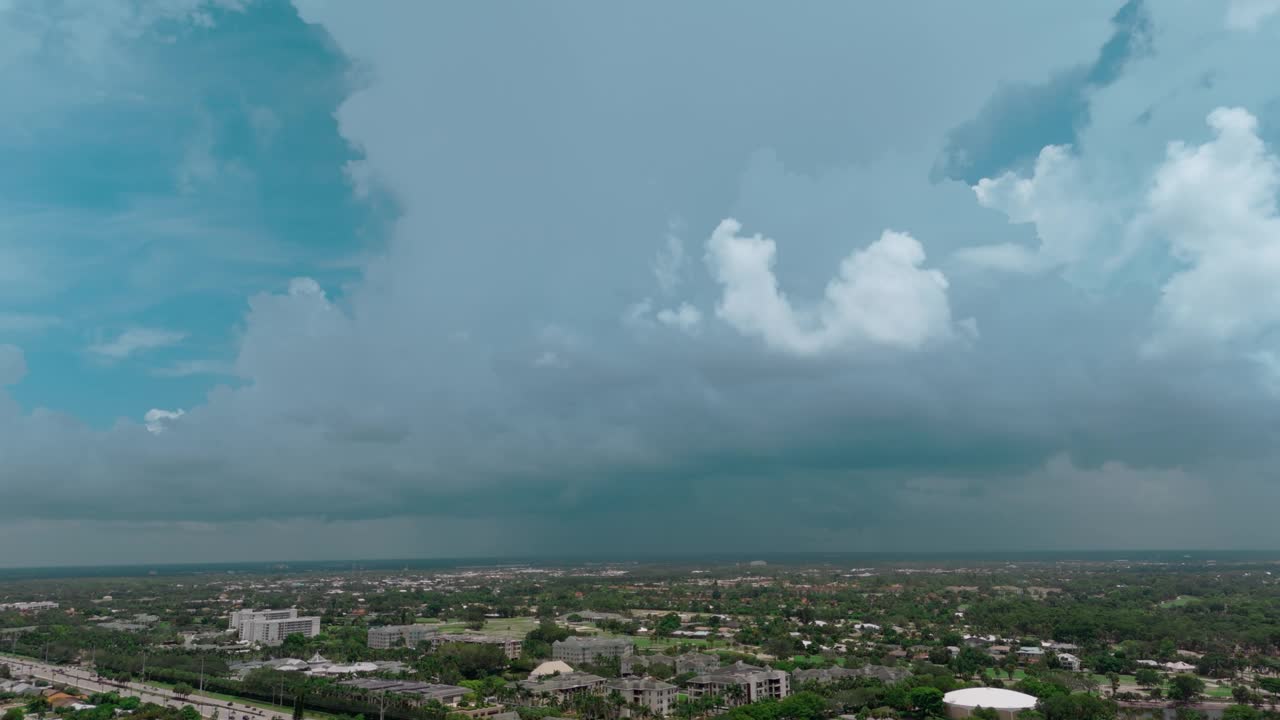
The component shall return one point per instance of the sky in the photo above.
(338, 280)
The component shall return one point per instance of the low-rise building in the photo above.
(420, 693)
(659, 697)
(580, 650)
(740, 683)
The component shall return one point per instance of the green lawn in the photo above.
(1218, 691)
(1104, 681)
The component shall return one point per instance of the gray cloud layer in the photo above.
(490, 373)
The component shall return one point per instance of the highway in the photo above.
(89, 681)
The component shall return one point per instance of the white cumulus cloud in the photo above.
(1215, 206)
(1051, 200)
(881, 297)
(157, 420)
(686, 317)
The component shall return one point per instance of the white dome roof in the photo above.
(986, 697)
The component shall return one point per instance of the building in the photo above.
(740, 683)
(580, 650)
(510, 646)
(550, 667)
(641, 664)
(389, 636)
(1069, 662)
(659, 697)
(271, 627)
(1007, 703)
(884, 673)
(1030, 653)
(563, 687)
(693, 662)
(32, 606)
(419, 693)
(240, 617)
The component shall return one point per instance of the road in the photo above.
(89, 681)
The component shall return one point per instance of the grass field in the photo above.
(1017, 674)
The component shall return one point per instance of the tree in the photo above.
(183, 689)
(982, 713)
(14, 713)
(1114, 678)
(189, 713)
(1077, 706)
(927, 701)
(780, 647)
(1185, 689)
(1241, 712)
(1147, 677)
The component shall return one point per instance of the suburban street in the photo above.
(89, 681)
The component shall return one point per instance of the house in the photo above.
(1179, 667)
(1069, 661)
(586, 650)
(1030, 653)
(740, 683)
(659, 697)
(561, 688)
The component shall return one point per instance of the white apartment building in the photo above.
(271, 627)
(659, 697)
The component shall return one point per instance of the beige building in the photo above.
(740, 683)
(579, 650)
(659, 697)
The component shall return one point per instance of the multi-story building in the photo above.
(740, 683)
(389, 636)
(271, 627)
(563, 687)
(579, 650)
(510, 646)
(240, 617)
(659, 697)
(696, 663)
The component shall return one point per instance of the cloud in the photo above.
(158, 421)
(1019, 120)
(136, 340)
(669, 264)
(1249, 14)
(1054, 201)
(17, 322)
(13, 365)
(882, 296)
(686, 317)
(1215, 206)
(190, 368)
